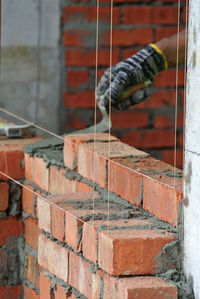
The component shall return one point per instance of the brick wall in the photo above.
(150, 125)
(72, 242)
(11, 220)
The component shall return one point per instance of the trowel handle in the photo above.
(132, 89)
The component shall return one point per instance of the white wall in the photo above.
(192, 152)
(30, 66)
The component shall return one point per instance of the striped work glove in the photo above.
(141, 67)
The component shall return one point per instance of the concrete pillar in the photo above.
(30, 68)
(192, 153)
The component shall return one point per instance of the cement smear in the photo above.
(185, 288)
(51, 150)
(15, 193)
(12, 260)
(169, 258)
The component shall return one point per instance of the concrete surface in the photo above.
(30, 76)
(192, 153)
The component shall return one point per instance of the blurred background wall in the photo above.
(48, 66)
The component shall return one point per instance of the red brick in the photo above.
(180, 119)
(82, 187)
(81, 278)
(60, 293)
(168, 78)
(81, 99)
(11, 162)
(138, 287)
(44, 214)
(72, 13)
(130, 120)
(150, 15)
(91, 165)
(87, 57)
(127, 37)
(130, 52)
(75, 38)
(29, 167)
(125, 182)
(58, 218)
(92, 159)
(41, 173)
(162, 121)
(90, 236)
(77, 78)
(53, 258)
(32, 271)
(162, 200)
(28, 200)
(150, 138)
(75, 121)
(123, 1)
(162, 32)
(131, 252)
(15, 292)
(73, 141)
(168, 157)
(10, 227)
(45, 290)
(4, 196)
(32, 232)
(73, 218)
(31, 294)
(59, 184)
(159, 99)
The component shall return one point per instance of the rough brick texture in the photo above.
(135, 25)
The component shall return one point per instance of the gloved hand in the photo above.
(141, 67)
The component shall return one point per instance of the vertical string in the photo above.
(109, 107)
(95, 106)
(176, 97)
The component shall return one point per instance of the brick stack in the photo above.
(150, 125)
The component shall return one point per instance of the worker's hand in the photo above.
(141, 67)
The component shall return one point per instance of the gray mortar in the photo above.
(15, 193)
(185, 288)
(168, 257)
(31, 251)
(170, 174)
(11, 270)
(68, 288)
(31, 286)
(36, 188)
(51, 150)
(3, 215)
(101, 289)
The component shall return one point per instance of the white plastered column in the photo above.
(192, 152)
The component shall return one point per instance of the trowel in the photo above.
(16, 131)
(106, 124)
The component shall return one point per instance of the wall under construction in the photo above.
(83, 224)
